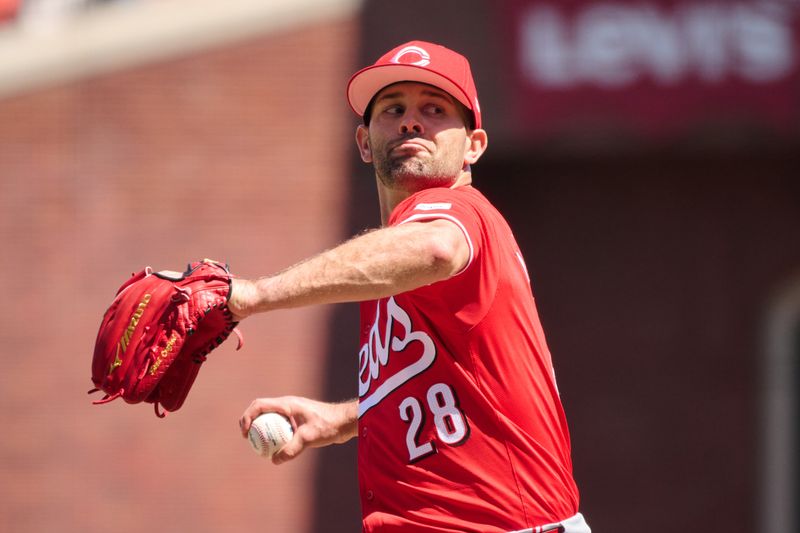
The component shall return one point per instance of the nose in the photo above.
(411, 123)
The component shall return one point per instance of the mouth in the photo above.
(408, 145)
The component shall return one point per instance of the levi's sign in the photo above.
(625, 56)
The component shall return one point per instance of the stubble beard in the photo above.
(413, 173)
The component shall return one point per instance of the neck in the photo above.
(388, 198)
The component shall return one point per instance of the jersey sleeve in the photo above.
(467, 295)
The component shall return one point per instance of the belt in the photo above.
(573, 524)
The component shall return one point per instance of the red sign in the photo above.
(654, 66)
(8, 9)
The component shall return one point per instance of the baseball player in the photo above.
(458, 417)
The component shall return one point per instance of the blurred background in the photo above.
(645, 152)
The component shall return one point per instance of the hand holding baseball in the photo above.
(270, 432)
(315, 424)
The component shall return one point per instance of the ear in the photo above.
(362, 141)
(476, 142)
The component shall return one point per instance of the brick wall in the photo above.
(237, 154)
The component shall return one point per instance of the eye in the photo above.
(394, 109)
(434, 109)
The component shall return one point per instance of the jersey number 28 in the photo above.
(450, 422)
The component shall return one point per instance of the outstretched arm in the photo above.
(373, 265)
(315, 424)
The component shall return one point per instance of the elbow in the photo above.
(435, 250)
(445, 257)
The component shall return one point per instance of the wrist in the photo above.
(348, 424)
(242, 298)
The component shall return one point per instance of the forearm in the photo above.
(374, 265)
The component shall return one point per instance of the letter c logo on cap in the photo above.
(425, 57)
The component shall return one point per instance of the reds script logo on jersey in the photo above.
(393, 354)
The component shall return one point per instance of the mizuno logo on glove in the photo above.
(122, 345)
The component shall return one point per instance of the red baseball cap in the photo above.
(416, 61)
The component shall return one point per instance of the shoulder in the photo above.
(438, 203)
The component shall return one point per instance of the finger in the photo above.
(244, 424)
(250, 414)
(259, 406)
(290, 450)
(245, 421)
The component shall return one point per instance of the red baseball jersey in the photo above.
(460, 423)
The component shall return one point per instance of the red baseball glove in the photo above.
(158, 331)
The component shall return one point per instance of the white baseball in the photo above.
(269, 432)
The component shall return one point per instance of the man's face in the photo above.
(416, 138)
